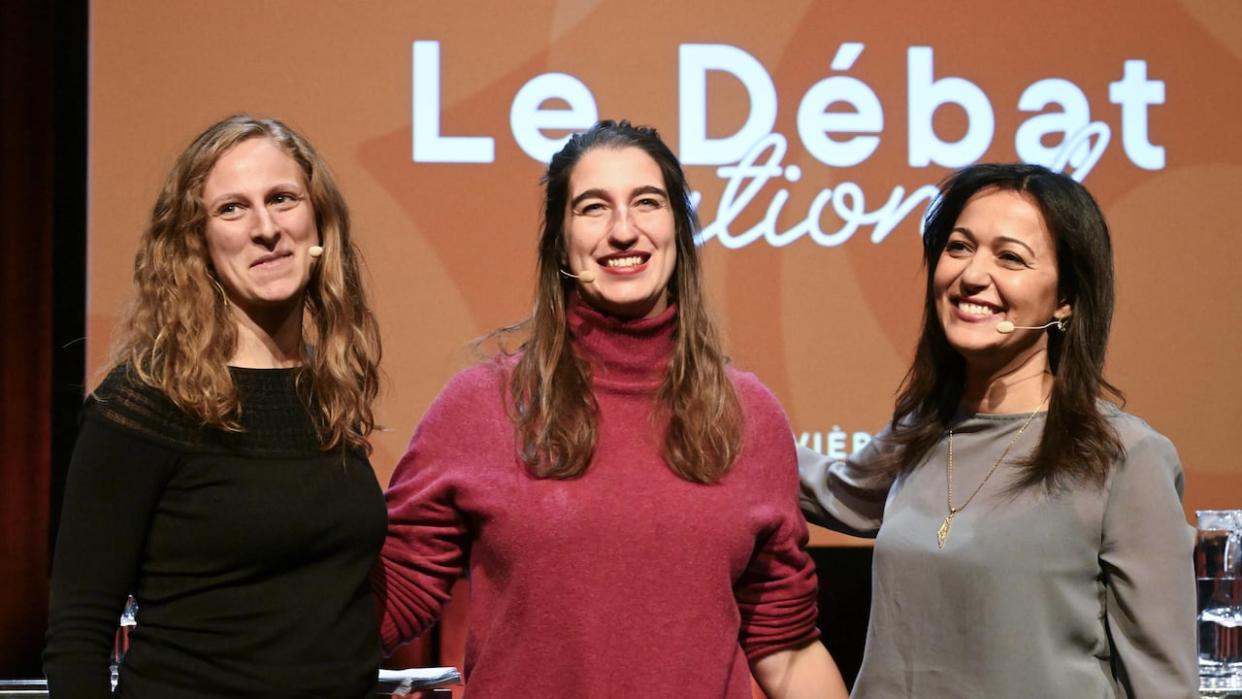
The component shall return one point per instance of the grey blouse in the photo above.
(1084, 592)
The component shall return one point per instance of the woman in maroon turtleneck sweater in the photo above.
(624, 504)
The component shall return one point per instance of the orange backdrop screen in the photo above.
(812, 134)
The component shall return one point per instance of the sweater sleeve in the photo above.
(426, 548)
(847, 495)
(1146, 557)
(777, 594)
(115, 480)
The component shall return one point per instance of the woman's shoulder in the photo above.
(476, 388)
(124, 391)
(123, 400)
(1145, 448)
(1131, 429)
(761, 407)
(480, 378)
(750, 387)
(753, 392)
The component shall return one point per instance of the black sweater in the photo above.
(247, 552)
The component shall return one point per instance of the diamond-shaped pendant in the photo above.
(943, 532)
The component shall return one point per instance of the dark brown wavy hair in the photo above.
(178, 333)
(551, 403)
(1077, 444)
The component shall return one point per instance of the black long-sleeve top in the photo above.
(247, 552)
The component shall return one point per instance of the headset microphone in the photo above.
(1006, 327)
(315, 250)
(586, 276)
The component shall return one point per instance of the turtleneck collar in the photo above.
(627, 355)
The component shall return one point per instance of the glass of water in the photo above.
(120, 644)
(1218, 571)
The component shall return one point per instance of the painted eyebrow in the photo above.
(597, 193)
(589, 194)
(1015, 241)
(1002, 238)
(649, 189)
(964, 231)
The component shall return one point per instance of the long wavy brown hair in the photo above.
(551, 402)
(1078, 444)
(178, 333)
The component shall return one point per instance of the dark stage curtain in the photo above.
(42, 156)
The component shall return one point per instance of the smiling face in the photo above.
(260, 224)
(999, 264)
(619, 225)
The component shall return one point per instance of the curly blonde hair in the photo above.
(178, 333)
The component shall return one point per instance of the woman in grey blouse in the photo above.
(1030, 540)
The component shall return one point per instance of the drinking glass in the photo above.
(1218, 571)
(120, 644)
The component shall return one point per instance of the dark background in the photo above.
(43, 105)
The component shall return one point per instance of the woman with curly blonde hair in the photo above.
(221, 475)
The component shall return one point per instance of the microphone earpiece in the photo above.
(315, 250)
(586, 276)
(1006, 327)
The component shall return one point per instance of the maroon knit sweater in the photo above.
(625, 582)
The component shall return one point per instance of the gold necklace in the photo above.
(942, 534)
